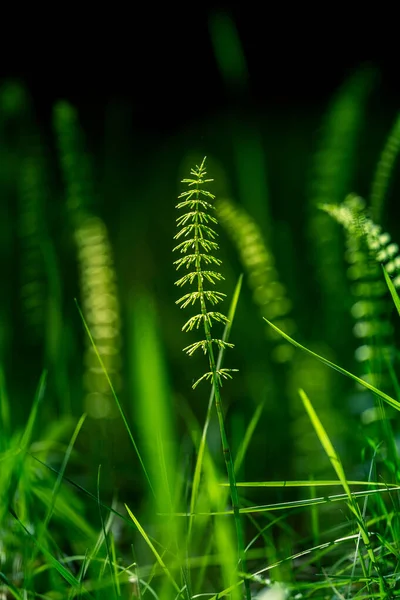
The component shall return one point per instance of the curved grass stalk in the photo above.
(385, 397)
(196, 226)
(384, 170)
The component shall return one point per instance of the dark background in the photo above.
(160, 58)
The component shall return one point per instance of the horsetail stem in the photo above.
(201, 244)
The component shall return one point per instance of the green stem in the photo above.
(218, 405)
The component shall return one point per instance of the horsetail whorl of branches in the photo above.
(198, 245)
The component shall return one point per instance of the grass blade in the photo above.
(337, 465)
(392, 290)
(306, 483)
(326, 443)
(391, 401)
(247, 437)
(298, 503)
(152, 548)
(128, 429)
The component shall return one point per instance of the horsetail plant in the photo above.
(198, 248)
(371, 309)
(367, 249)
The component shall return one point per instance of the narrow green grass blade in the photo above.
(65, 574)
(43, 526)
(152, 397)
(103, 528)
(255, 576)
(241, 453)
(326, 443)
(202, 445)
(84, 491)
(6, 456)
(153, 549)
(128, 429)
(154, 413)
(298, 503)
(223, 537)
(64, 510)
(391, 401)
(338, 467)
(89, 557)
(392, 290)
(114, 566)
(62, 470)
(314, 518)
(74, 592)
(306, 483)
(26, 438)
(16, 465)
(10, 587)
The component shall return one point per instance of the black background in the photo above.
(160, 57)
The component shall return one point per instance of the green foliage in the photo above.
(165, 521)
